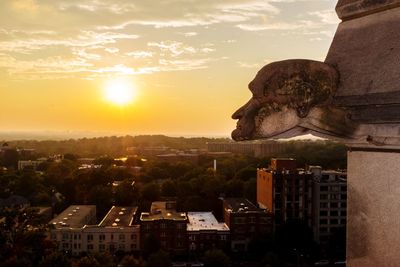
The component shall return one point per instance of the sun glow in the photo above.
(120, 92)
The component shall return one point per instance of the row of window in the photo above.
(333, 213)
(207, 237)
(101, 247)
(164, 226)
(325, 205)
(90, 237)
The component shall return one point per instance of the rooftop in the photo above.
(74, 216)
(119, 216)
(199, 221)
(162, 210)
(240, 205)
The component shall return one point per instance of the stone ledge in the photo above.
(351, 9)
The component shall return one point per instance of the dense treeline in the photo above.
(328, 154)
(112, 145)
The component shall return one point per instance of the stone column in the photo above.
(373, 211)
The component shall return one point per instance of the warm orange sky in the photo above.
(188, 61)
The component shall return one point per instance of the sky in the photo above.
(188, 61)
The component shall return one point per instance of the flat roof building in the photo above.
(75, 230)
(165, 224)
(75, 216)
(245, 221)
(205, 232)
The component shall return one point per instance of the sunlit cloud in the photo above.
(90, 38)
(140, 54)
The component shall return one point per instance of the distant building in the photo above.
(75, 231)
(329, 202)
(166, 225)
(246, 221)
(175, 157)
(28, 164)
(285, 190)
(251, 148)
(204, 232)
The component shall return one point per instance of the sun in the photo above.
(119, 92)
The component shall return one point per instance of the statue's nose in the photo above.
(238, 113)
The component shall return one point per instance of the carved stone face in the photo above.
(284, 92)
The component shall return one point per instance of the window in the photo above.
(334, 205)
(121, 246)
(133, 246)
(102, 237)
(112, 236)
(121, 237)
(102, 247)
(323, 205)
(89, 237)
(65, 236)
(163, 226)
(333, 221)
(323, 213)
(133, 237)
(192, 237)
(223, 237)
(163, 234)
(323, 221)
(90, 247)
(334, 213)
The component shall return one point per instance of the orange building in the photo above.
(285, 190)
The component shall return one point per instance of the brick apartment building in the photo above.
(166, 225)
(204, 232)
(285, 190)
(245, 221)
(329, 202)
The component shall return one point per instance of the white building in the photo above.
(75, 230)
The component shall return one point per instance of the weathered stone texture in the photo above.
(351, 9)
(373, 221)
(366, 52)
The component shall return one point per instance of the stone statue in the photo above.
(292, 97)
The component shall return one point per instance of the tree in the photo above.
(159, 259)
(87, 261)
(168, 188)
(130, 261)
(125, 193)
(150, 192)
(216, 258)
(55, 259)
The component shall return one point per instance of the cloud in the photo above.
(174, 48)
(91, 38)
(304, 24)
(140, 54)
(326, 16)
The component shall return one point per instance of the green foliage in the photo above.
(216, 258)
(57, 259)
(159, 259)
(130, 261)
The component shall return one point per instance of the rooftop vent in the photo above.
(121, 213)
(114, 224)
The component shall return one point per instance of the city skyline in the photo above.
(188, 62)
